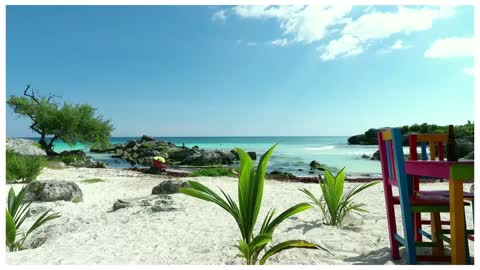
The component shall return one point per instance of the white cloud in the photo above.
(398, 45)
(305, 23)
(381, 25)
(450, 47)
(250, 43)
(468, 71)
(312, 24)
(280, 42)
(219, 16)
(342, 47)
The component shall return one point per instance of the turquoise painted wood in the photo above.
(404, 190)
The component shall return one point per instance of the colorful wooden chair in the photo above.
(393, 171)
(435, 144)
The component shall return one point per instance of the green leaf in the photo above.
(288, 245)
(257, 192)
(286, 214)
(11, 230)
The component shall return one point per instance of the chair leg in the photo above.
(409, 237)
(392, 226)
(417, 225)
(436, 225)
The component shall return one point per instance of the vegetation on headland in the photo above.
(465, 131)
(16, 213)
(220, 171)
(70, 123)
(245, 213)
(22, 169)
(334, 204)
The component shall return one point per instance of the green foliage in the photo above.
(70, 123)
(69, 159)
(335, 205)
(214, 172)
(92, 180)
(245, 213)
(461, 131)
(23, 169)
(17, 211)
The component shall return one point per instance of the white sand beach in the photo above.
(196, 232)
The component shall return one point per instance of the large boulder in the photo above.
(53, 190)
(252, 155)
(25, 147)
(376, 155)
(146, 138)
(179, 154)
(130, 144)
(464, 147)
(169, 187)
(203, 158)
(227, 157)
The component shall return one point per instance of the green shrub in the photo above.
(17, 212)
(245, 213)
(334, 204)
(92, 180)
(214, 172)
(23, 169)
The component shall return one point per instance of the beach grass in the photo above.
(215, 172)
(92, 180)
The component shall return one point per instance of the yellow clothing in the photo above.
(159, 158)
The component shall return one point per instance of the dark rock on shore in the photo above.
(169, 187)
(52, 190)
(376, 155)
(252, 155)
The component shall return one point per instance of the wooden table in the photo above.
(456, 172)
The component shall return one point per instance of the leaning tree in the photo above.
(70, 123)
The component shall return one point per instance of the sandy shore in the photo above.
(197, 232)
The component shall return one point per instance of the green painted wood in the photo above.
(461, 172)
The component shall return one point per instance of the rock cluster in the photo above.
(144, 150)
(53, 190)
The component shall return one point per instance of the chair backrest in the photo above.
(435, 142)
(391, 155)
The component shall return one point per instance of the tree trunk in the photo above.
(48, 147)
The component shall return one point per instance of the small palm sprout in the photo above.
(17, 212)
(250, 192)
(335, 205)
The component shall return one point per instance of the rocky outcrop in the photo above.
(78, 158)
(169, 187)
(144, 150)
(52, 190)
(153, 204)
(25, 147)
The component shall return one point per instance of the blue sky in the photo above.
(246, 70)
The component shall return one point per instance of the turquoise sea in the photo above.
(293, 154)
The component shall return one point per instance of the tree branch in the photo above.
(32, 96)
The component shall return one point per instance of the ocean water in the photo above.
(293, 154)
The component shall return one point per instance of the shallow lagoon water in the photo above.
(293, 154)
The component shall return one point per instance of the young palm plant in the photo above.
(17, 212)
(250, 192)
(335, 205)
